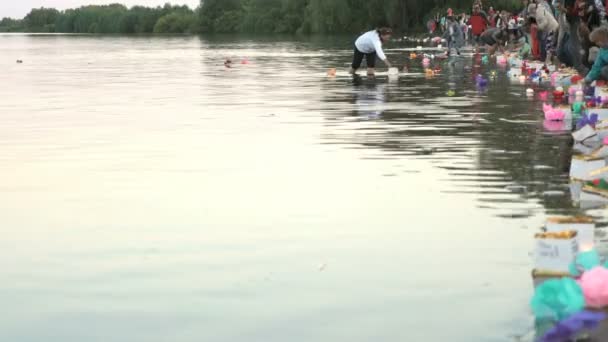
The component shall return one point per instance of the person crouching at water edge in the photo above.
(494, 38)
(369, 45)
(599, 36)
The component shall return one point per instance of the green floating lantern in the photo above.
(578, 107)
(557, 299)
(585, 261)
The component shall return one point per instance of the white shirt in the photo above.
(370, 42)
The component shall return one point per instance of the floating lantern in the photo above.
(558, 94)
(577, 107)
(480, 81)
(553, 114)
(579, 95)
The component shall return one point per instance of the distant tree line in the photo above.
(242, 16)
(113, 18)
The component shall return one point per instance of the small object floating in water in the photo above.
(553, 114)
(426, 61)
(493, 74)
(393, 71)
(553, 193)
(480, 81)
(331, 72)
(515, 188)
(451, 93)
(585, 120)
(576, 78)
(19, 61)
(586, 133)
(228, 63)
(579, 95)
(530, 92)
(485, 59)
(578, 107)
(429, 72)
(245, 61)
(558, 94)
(440, 46)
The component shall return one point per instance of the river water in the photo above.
(149, 194)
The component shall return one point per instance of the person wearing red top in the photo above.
(478, 23)
(492, 16)
(535, 42)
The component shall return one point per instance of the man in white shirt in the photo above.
(369, 45)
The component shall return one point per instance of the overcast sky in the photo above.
(19, 8)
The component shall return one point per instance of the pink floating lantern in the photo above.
(595, 287)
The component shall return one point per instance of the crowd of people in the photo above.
(557, 31)
(569, 33)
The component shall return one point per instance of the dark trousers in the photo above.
(370, 59)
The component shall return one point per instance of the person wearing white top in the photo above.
(369, 45)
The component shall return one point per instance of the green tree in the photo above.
(176, 22)
(11, 25)
(221, 15)
(41, 20)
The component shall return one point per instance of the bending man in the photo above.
(369, 45)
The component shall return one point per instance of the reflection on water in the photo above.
(148, 193)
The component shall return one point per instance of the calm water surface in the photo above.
(149, 194)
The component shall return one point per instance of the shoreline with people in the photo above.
(556, 33)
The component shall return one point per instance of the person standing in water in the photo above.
(454, 36)
(369, 45)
